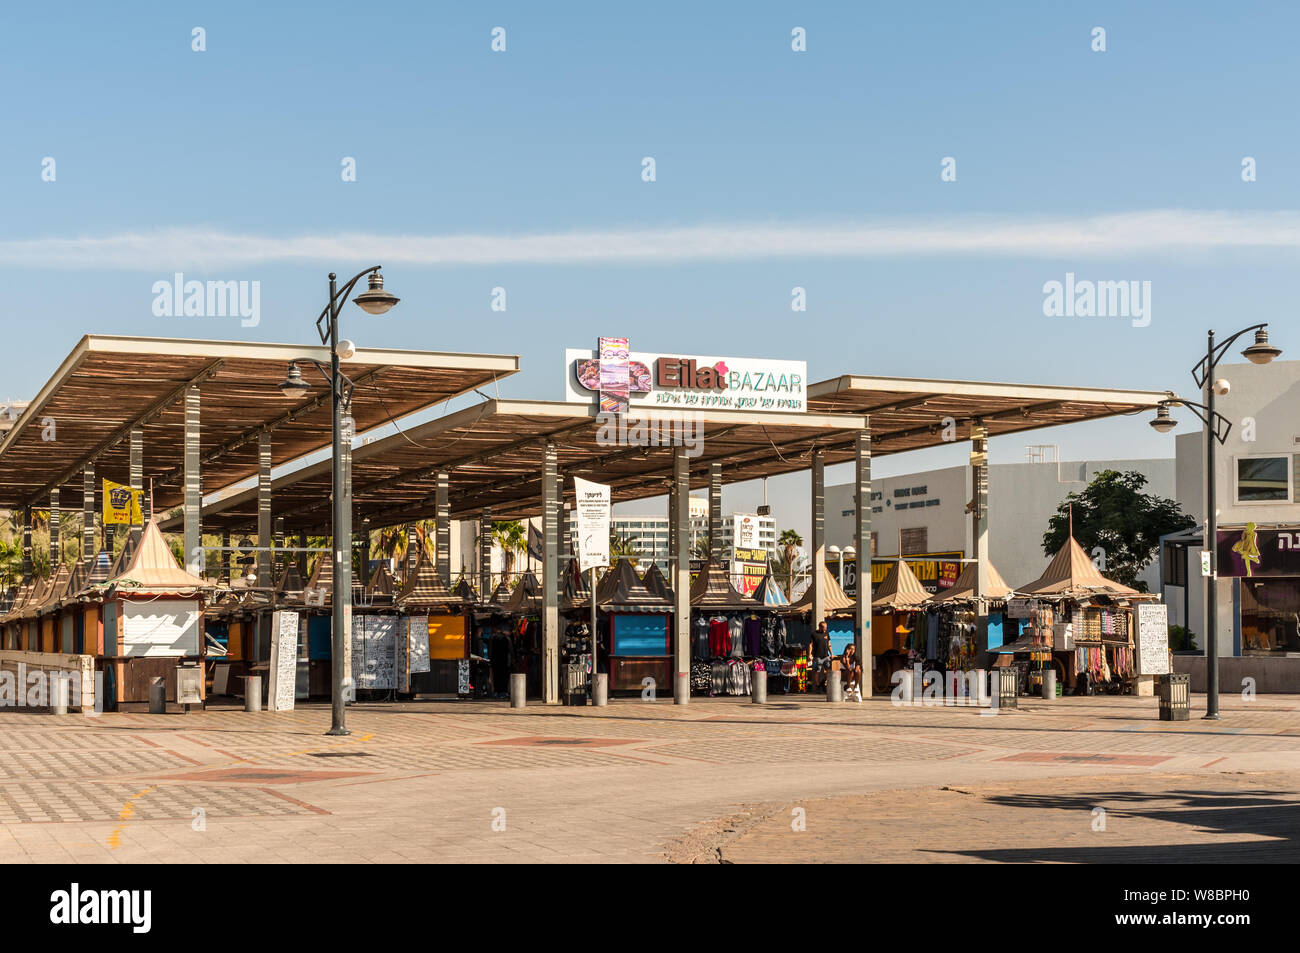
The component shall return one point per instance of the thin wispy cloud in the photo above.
(1105, 236)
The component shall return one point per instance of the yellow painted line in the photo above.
(125, 815)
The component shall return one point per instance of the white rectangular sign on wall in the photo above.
(284, 662)
(592, 502)
(160, 628)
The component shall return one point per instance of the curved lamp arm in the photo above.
(339, 299)
(1221, 426)
(1205, 367)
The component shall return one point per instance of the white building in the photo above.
(928, 512)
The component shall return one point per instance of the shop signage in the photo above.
(625, 380)
(122, 504)
(1021, 608)
(1153, 639)
(592, 510)
(746, 532)
(696, 565)
(935, 571)
(749, 566)
(1258, 552)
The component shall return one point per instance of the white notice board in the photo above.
(284, 662)
(1153, 639)
(417, 638)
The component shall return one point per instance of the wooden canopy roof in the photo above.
(109, 384)
(910, 414)
(493, 453)
(711, 589)
(964, 587)
(900, 589)
(1071, 574)
(836, 600)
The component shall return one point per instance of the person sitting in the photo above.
(851, 672)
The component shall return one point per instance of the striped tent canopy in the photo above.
(1071, 574)
(900, 590)
(576, 591)
(769, 593)
(23, 598)
(964, 587)
(425, 588)
(712, 589)
(382, 588)
(55, 593)
(322, 578)
(289, 587)
(836, 600)
(500, 596)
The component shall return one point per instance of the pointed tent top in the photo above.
(900, 589)
(54, 593)
(527, 596)
(769, 593)
(623, 588)
(322, 578)
(21, 598)
(290, 584)
(654, 581)
(964, 587)
(577, 587)
(500, 596)
(463, 590)
(381, 583)
(425, 587)
(102, 569)
(1072, 573)
(152, 567)
(836, 600)
(713, 590)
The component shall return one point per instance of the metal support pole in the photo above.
(485, 554)
(27, 541)
(862, 542)
(280, 558)
(137, 468)
(442, 528)
(817, 541)
(265, 572)
(681, 578)
(979, 464)
(715, 511)
(88, 515)
(193, 534)
(226, 556)
(342, 595)
(550, 577)
(412, 549)
(56, 553)
(362, 546)
(1211, 544)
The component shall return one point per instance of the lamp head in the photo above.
(293, 386)
(1261, 352)
(1163, 422)
(375, 300)
(347, 350)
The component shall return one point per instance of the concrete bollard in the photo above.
(518, 690)
(834, 689)
(253, 693)
(1049, 685)
(681, 689)
(907, 686)
(758, 687)
(60, 691)
(600, 692)
(157, 696)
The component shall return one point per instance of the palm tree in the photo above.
(789, 541)
(700, 548)
(512, 538)
(391, 541)
(619, 545)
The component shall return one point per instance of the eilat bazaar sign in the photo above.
(628, 379)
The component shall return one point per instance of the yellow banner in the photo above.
(122, 505)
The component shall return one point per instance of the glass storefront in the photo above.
(1270, 616)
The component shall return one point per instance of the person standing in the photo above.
(819, 654)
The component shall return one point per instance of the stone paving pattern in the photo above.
(715, 780)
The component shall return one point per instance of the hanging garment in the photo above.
(702, 677)
(700, 647)
(719, 637)
(736, 628)
(931, 635)
(753, 636)
(719, 678)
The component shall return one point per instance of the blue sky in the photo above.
(167, 159)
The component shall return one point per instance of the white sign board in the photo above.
(1021, 608)
(592, 510)
(417, 641)
(283, 673)
(1153, 639)
(694, 382)
(1205, 562)
(160, 628)
(375, 666)
(746, 531)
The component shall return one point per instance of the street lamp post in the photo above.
(375, 300)
(1216, 432)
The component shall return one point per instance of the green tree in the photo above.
(789, 541)
(1114, 515)
(511, 536)
(620, 545)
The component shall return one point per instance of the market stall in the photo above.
(634, 630)
(946, 637)
(897, 612)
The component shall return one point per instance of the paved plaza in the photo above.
(1079, 780)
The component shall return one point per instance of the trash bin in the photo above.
(1008, 685)
(573, 690)
(1175, 697)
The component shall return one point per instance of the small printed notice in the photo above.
(1153, 639)
(284, 662)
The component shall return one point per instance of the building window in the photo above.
(916, 540)
(1264, 479)
(1269, 616)
(1174, 563)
